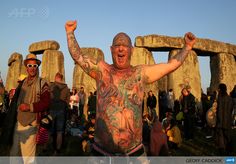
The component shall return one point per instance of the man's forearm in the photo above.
(85, 62)
(73, 46)
(181, 56)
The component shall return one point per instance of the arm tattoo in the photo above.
(73, 46)
(181, 56)
(82, 59)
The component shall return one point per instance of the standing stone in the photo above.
(223, 70)
(186, 74)
(14, 70)
(141, 56)
(52, 62)
(82, 79)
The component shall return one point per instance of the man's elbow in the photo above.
(174, 65)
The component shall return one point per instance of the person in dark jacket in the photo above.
(224, 120)
(60, 95)
(92, 100)
(151, 104)
(4, 103)
(188, 107)
(82, 100)
(233, 95)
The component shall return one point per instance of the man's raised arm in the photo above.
(155, 72)
(87, 64)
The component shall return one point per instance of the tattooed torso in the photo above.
(118, 127)
(119, 118)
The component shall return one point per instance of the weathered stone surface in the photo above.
(204, 47)
(83, 79)
(186, 74)
(40, 47)
(80, 78)
(223, 70)
(142, 56)
(14, 70)
(52, 62)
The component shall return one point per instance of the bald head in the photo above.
(122, 39)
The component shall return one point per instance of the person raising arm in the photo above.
(155, 72)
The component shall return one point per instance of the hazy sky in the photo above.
(26, 21)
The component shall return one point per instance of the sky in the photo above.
(26, 21)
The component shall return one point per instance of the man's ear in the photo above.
(132, 50)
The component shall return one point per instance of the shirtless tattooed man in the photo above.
(120, 89)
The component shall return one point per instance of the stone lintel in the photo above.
(203, 47)
(40, 47)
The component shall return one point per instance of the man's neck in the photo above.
(31, 78)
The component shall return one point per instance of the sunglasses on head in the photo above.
(32, 65)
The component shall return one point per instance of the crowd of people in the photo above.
(122, 120)
(162, 133)
(179, 118)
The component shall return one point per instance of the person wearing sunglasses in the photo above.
(32, 65)
(32, 97)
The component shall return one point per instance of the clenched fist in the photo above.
(189, 40)
(70, 26)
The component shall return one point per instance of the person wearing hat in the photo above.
(120, 88)
(32, 97)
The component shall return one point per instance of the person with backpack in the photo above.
(60, 97)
